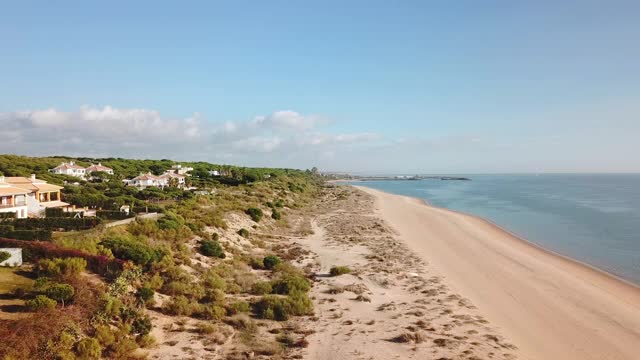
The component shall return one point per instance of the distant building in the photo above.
(15, 259)
(214, 173)
(99, 168)
(172, 178)
(125, 209)
(70, 168)
(40, 195)
(145, 180)
(181, 170)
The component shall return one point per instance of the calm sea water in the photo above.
(591, 218)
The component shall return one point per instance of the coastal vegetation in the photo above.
(99, 291)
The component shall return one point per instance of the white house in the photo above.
(39, 194)
(15, 259)
(70, 169)
(145, 180)
(13, 199)
(214, 172)
(181, 170)
(173, 178)
(98, 168)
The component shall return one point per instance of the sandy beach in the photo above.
(548, 306)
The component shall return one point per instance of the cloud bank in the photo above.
(283, 138)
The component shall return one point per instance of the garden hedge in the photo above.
(33, 251)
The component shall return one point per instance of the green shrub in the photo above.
(270, 262)
(89, 348)
(42, 235)
(300, 304)
(61, 267)
(141, 325)
(238, 307)
(4, 256)
(290, 283)
(262, 288)
(179, 305)
(212, 280)
(339, 270)
(255, 263)
(276, 215)
(211, 248)
(60, 292)
(255, 214)
(105, 335)
(272, 307)
(243, 232)
(40, 302)
(212, 312)
(126, 248)
(145, 294)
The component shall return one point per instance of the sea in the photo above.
(593, 218)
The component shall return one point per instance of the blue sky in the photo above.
(373, 86)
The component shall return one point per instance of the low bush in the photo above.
(238, 307)
(61, 267)
(339, 270)
(274, 307)
(256, 263)
(35, 250)
(276, 215)
(89, 348)
(255, 214)
(55, 223)
(212, 312)
(290, 283)
(179, 305)
(211, 248)
(41, 235)
(270, 262)
(4, 256)
(40, 302)
(60, 292)
(262, 288)
(141, 325)
(126, 248)
(144, 294)
(243, 232)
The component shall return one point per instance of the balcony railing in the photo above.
(18, 203)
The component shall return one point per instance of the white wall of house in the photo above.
(21, 211)
(15, 259)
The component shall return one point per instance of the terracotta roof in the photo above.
(48, 187)
(65, 166)
(98, 167)
(171, 175)
(12, 190)
(147, 176)
(31, 185)
(21, 182)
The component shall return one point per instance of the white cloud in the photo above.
(283, 138)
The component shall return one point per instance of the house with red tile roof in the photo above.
(98, 168)
(71, 169)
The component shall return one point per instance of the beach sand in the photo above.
(548, 306)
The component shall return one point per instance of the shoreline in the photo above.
(520, 238)
(553, 306)
(515, 235)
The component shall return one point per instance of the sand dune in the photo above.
(550, 307)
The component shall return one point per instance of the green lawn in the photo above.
(10, 279)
